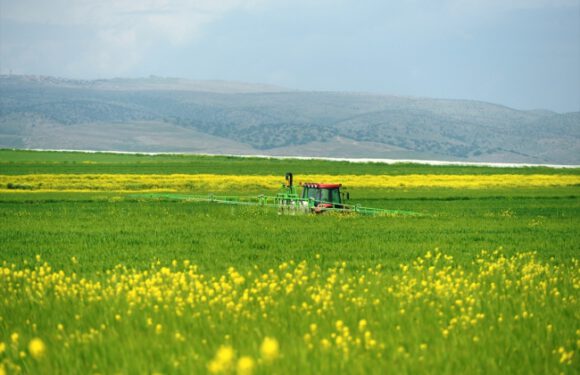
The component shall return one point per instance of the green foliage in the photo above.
(104, 230)
(104, 238)
(29, 162)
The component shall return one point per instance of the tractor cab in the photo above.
(316, 197)
(322, 195)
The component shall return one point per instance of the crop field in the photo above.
(96, 280)
(213, 182)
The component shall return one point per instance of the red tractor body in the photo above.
(322, 195)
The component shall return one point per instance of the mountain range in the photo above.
(158, 114)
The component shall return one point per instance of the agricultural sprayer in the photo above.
(314, 197)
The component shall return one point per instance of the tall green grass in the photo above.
(107, 283)
(28, 162)
(105, 229)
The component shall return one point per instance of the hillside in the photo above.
(169, 114)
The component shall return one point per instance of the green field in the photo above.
(485, 281)
(23, 162)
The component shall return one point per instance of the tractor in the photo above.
(315, 197)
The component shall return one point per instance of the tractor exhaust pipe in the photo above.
(289, 179)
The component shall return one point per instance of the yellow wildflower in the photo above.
(245, 365)
(223, 360)
(36, 348)
(270, 350)
(362, 325)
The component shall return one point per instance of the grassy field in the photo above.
(97, 281)
(25, 162)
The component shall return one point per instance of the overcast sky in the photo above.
(521, 53)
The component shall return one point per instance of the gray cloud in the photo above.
(519, 52)
(120, 32)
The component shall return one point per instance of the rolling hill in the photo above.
(176, 115)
